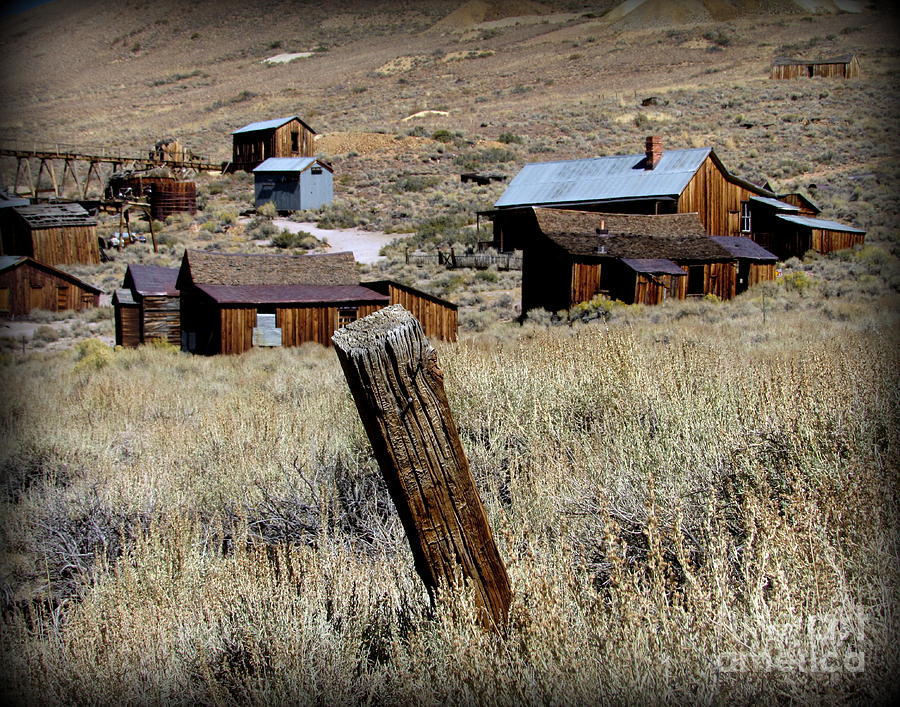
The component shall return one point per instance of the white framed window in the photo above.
(746, 223)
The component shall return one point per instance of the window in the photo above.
(316, 170)
(346, 315)
(295, 141)
(745, 217)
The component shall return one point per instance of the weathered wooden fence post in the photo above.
(398, 388)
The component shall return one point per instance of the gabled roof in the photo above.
(744, 248)
(819, 223)
(290, 164)
(603, 179)
(152, 280)
(292, 294)
(54, 215)
(9, 262)
(612, 178)
(654, 266)
(270, 125)
(587, 222)
(775, 203)
(204, 268)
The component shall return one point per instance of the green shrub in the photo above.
(92, 354)
(442, 136)
(267, 210)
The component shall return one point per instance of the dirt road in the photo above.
(364, 244)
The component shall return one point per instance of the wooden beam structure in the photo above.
(398, 387)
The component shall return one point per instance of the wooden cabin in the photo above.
(571, 256)
(53, 234)
(294, 183)
(281, 137)
(26, 284)
(654, 182)
(231, 303)
(147, 306)
(845, 66)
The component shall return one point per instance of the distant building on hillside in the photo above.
(281, 137)
(294, 183)
(845, 66)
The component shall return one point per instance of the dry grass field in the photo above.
(696, 502)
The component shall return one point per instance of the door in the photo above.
(62, 297)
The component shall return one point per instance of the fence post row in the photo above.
(398, 387)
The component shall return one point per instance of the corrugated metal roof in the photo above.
(287, 164)
(265, 125)
(741, 247)
(603, 179)
(292, 294)
(8, 261)
(654, 266)
(810, 222)
(775, 203)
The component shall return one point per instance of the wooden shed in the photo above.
(294, 183)
(54, 234)
(26, 284)
(231, 303)
(845, 66)
(281, 137)
(571, 256)
(147, 306)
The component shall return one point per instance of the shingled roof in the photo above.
(205, 268)
(641, 247)
(587, 223)
(54, 215)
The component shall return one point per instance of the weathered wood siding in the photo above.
(252, 148)
(236, 329)
(720, 279)
(128, 325)
(585, 282)
(161, 319)
(828, 241)
(301, 324)
(760, 272)
(716, 199)
(28, 288)
(438, 320)
(59, 246)
(655, 289)
(848, 70)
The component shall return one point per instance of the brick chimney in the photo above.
(653, 151)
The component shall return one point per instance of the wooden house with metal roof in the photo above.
(281, 137)
(231, 303)
(844, 66)
(147, 306)
(571, 256)
(54, 234)
(656, 182)
(26, 284)
(294, 183)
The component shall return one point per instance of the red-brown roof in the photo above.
(292, 294)
(152, 280)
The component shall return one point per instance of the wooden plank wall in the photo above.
(281, 141)
(161, 319)
(32, 288)
(128, 325)
(585, 281)
(760, 272)
(236, 329)
(715, 199)
(437, 320)
(60, 246)
(720, 279)
(828, 241)
(302, 324)
(832, 71)
(655, 289)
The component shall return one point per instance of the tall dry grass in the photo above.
(690, 511)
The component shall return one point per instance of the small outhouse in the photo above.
(294, 183)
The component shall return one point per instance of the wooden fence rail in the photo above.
(478, 261)
(393, 374)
